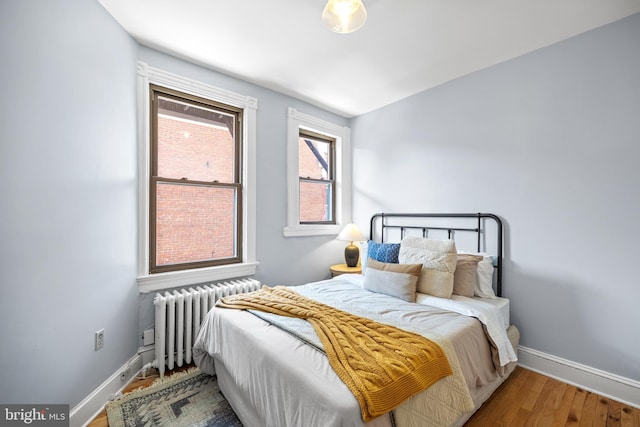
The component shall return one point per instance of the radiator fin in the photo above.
(179, 314)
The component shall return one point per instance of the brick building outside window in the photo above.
(195, 182)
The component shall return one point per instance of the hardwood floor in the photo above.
(531, 399)
(525, 399)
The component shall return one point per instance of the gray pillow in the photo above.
(396, 280)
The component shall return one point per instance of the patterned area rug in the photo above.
(189, 398)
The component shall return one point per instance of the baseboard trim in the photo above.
(616, 387)
(83, 413)
(148, 354)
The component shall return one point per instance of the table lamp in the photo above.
(351, 233)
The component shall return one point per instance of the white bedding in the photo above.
(490, 314)
(502, 304)
(287, 382)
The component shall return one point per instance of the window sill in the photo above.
(312, 230)
(162, 281)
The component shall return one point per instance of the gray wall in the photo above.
(550, 142)
(68, 194)
(68, 219)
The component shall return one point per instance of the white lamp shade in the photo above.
(344, 16)
(351, 233)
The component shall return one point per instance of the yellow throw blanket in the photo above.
(382, 365)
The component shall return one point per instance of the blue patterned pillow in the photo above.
(384, 252)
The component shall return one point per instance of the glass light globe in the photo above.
(344, 16)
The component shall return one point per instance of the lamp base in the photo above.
(351, 255)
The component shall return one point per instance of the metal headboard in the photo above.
(387, 221)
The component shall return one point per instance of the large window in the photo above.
(196, 192)
(318, 176)
(195, 183)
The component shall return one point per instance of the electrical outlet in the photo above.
(99, 339)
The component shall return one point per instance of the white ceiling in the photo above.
(405, 47)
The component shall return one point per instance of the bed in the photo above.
(274, 372)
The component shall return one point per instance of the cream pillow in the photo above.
(438, 259)
(396, 280)
(465, 278)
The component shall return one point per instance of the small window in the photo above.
(317, 178)
(195, 185)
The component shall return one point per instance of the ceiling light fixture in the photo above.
(344, 16)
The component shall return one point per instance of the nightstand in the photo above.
(339, 269)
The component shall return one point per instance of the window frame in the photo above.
(155, 92)
(297, 121)
(331, 179)
(149, 282)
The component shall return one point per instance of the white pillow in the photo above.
(484, 287)
(364, 254)
(438, 259)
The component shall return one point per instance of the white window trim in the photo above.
(158, 281)
(296, 121)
